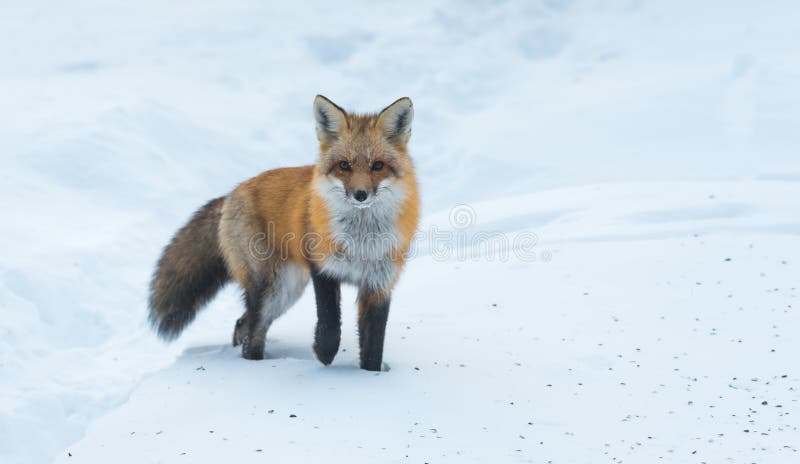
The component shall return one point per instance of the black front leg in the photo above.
(329, 317)
(373, 311)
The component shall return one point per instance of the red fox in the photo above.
(349, 218)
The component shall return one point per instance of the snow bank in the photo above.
(613, 130)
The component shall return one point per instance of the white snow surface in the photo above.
(650, 148)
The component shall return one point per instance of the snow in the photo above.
(648, 149)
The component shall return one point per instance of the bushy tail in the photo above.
(190, 272)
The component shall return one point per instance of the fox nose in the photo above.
(360, 195)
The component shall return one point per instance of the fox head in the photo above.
(363, 159)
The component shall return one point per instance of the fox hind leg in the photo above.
(265, 303)
(250, 330)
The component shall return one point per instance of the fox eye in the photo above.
(377, 165)
(344, 166)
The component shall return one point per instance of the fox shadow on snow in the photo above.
(277, 352)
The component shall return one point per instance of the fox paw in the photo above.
(240, 332)
(252, 354)
(252, 351)
(326, 344)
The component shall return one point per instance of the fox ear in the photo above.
(395, 121)
(331, 119)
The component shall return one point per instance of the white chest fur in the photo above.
(367, 237)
